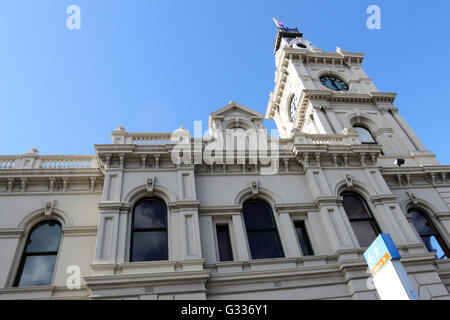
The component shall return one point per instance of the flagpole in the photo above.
(276, 22)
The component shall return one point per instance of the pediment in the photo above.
(236, 111)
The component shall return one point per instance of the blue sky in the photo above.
(156, 65)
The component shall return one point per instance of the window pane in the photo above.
(44, 238)
(149, 246)
(37, 271)
(257, 215)
(364, 135)
(264, 244)
(224, 243)
(150, 214)
(365, 232)
(354, 207)
(421, 223)
(432, 244)
(303, 238)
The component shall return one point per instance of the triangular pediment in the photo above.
(234, 109)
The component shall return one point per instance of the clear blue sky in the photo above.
(156, 65)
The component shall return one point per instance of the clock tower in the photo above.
(318, 92)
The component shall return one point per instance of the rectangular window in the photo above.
(303, 238)
(224, 243)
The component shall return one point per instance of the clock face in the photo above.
(293, 107)
(334, 83)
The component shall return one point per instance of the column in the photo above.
(321, 121)
(288, 237)
(241, 239)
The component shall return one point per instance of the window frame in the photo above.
(368, 130)
(308, 237)
(158, 229)
(226, 224)
(24, 254)
(274, 229)
(437, 234)
(371, 219)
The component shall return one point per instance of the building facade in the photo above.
(170, 216)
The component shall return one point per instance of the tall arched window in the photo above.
(364, 135)
(429, 234)
(39, 257)
(363, 223)
(261, 230)
(149, 231)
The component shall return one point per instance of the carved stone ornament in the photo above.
(254, 186)
(348, 180)
(348, 131)
(150, 182)
(119, 129)
(412, 197)
(49, 207)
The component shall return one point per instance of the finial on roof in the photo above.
(33, 150)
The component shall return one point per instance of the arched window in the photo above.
(39, 257)
(149, 231)
(429, 234)
(364, 135)
(261, 230)
(361, 219)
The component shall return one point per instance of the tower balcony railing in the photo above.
(326, 139)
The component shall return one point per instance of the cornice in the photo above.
(312, 96)
(8, 233)
(295, 207)
(80, 231)
(206, 210)
(415, 170)
(407, 177)
(183, 205)
(298, 268)
(383, 198)
(338, 58)
(132, 279)
(114, 207)
(46, 172)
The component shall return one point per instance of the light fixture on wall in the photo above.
(399, 162)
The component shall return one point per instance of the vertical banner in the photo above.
(389, 276)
